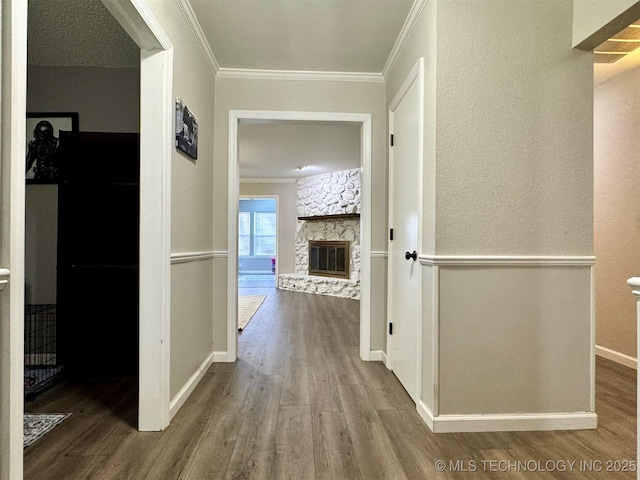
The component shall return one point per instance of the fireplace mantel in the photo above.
(335, 216)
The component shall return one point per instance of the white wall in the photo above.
(505, 175)
(616, 209)
(314, 96)
(286, 193)
(192, 308)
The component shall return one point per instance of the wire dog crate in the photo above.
(41, 368)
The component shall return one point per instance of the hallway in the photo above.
(299, 404)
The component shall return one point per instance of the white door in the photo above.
(404, 218)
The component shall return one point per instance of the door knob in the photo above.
(413, 255)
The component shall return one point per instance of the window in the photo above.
(257, 227)
(244, 233)
(264, 231)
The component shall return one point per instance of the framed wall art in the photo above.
(186, 130)
(43, 134)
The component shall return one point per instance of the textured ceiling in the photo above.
(77, 33)
(275, 149)
(312, 35)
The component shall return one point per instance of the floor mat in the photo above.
(38, 424)
(247, 307)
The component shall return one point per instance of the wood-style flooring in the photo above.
(299, 404)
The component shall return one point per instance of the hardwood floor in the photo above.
(299, 404)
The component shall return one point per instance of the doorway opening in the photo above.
(363, 122)
(82, 217)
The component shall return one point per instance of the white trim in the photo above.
(592, 338)
(221, 357)
(260, 74)
(12, 194)
(188, 388)
(507, 423)
(635, 284)
(415, 72)
(378, 356)
(385, 359)
(436, 340)
(621, 358)
(198, 34)
(425, 414)
(220, 254)
(235, 116)
(507, 261)
(191, 257)
(407, 28)
(135, 17)
(268, 180)
(379, 254)
(156, 147)
(5, 276)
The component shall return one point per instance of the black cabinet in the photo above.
(98, 253)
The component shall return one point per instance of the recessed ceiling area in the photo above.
(617, 55)
(275, 149)
(619, 45)
(318, 35)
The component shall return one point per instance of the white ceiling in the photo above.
(274, 149)
(77, 33)
(311, 35)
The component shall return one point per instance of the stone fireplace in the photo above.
(327, 244)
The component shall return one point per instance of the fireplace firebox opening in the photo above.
(329, 258)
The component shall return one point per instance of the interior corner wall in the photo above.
(192, 307)
(310, 96)
(616, 209)
(506, 176)
(286, 193)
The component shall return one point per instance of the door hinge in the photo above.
(390, 328)
(391, 234)
(391, 139)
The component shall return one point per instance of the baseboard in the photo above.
(221, 357)
(425, 414)
(617, 357)
(188, 387)
(507, 423)
(385, 360)
(376, 355)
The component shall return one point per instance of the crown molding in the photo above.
(196, 29)
(407, 28)
(259, 74)
(268, 180)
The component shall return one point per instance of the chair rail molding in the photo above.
(185, 257)
(4, 278)
(508, 260)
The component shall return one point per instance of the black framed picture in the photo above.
(43, 133)
(186, 130)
